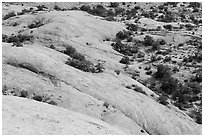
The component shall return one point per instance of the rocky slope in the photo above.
(32, 117)
(40, 70)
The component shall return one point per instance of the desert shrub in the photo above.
(110, 13)
(197, 78)
(38, 98)
(149, 72)
(155, 45)
(83, 65)
(106, 104)
(162, 42)
(25, 11)
(163, 100)
(86, 8)
(19, 38)
(132, 27)
(153, 58)
(77, 56)
(110, 18)
(197, 115)
(24, 94)
(119, 10)
(57, 8)
(137, 7)
(36, 24)
(98, 68)
(99, 10)
(17, 44)
(124, 48)
(180, 44)
(41, 7)
(9, 15)
(128, 87)
(52, 103)
(122, 35)
(140, 54)
(125, 60)
(162, 72)
(167, 59)
(129, 39)
(147, 68)
(169, 85)
(148, 40)
(194, 4)
(168, 27)
(69, 50)
(189, 27)
(114, 4)
(52, 46)
(117, 72)
(145, 14)
(4, 38)
(195, 87)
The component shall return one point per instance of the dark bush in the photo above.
(148, 40)
(132, 27)
(180, 44)
(167, 59)
(77, 56)
(162, 72)
(110, 18)
(98, 68)
(69, 50)
(155, 45)
(41, 7)
(162, 42)
(83, 65)
(125, 60)
(110, 13)
(52, 103)
(19, 38)
(124, 48)
(9, 15)
(38, 98)
(162, 100)
(24, 94)
(189, 27)
(17, 44)
(114, 4)
(137, 7)
(117, 72)
(168, 27)
(57, 8)
(119, 10)
(36, 24)
(149, 72)
(52, 46)
(153, 58)
(86, 8)
(99, 10)
(122, 35)
(169, 85)
(195, 87)
(4, 38)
